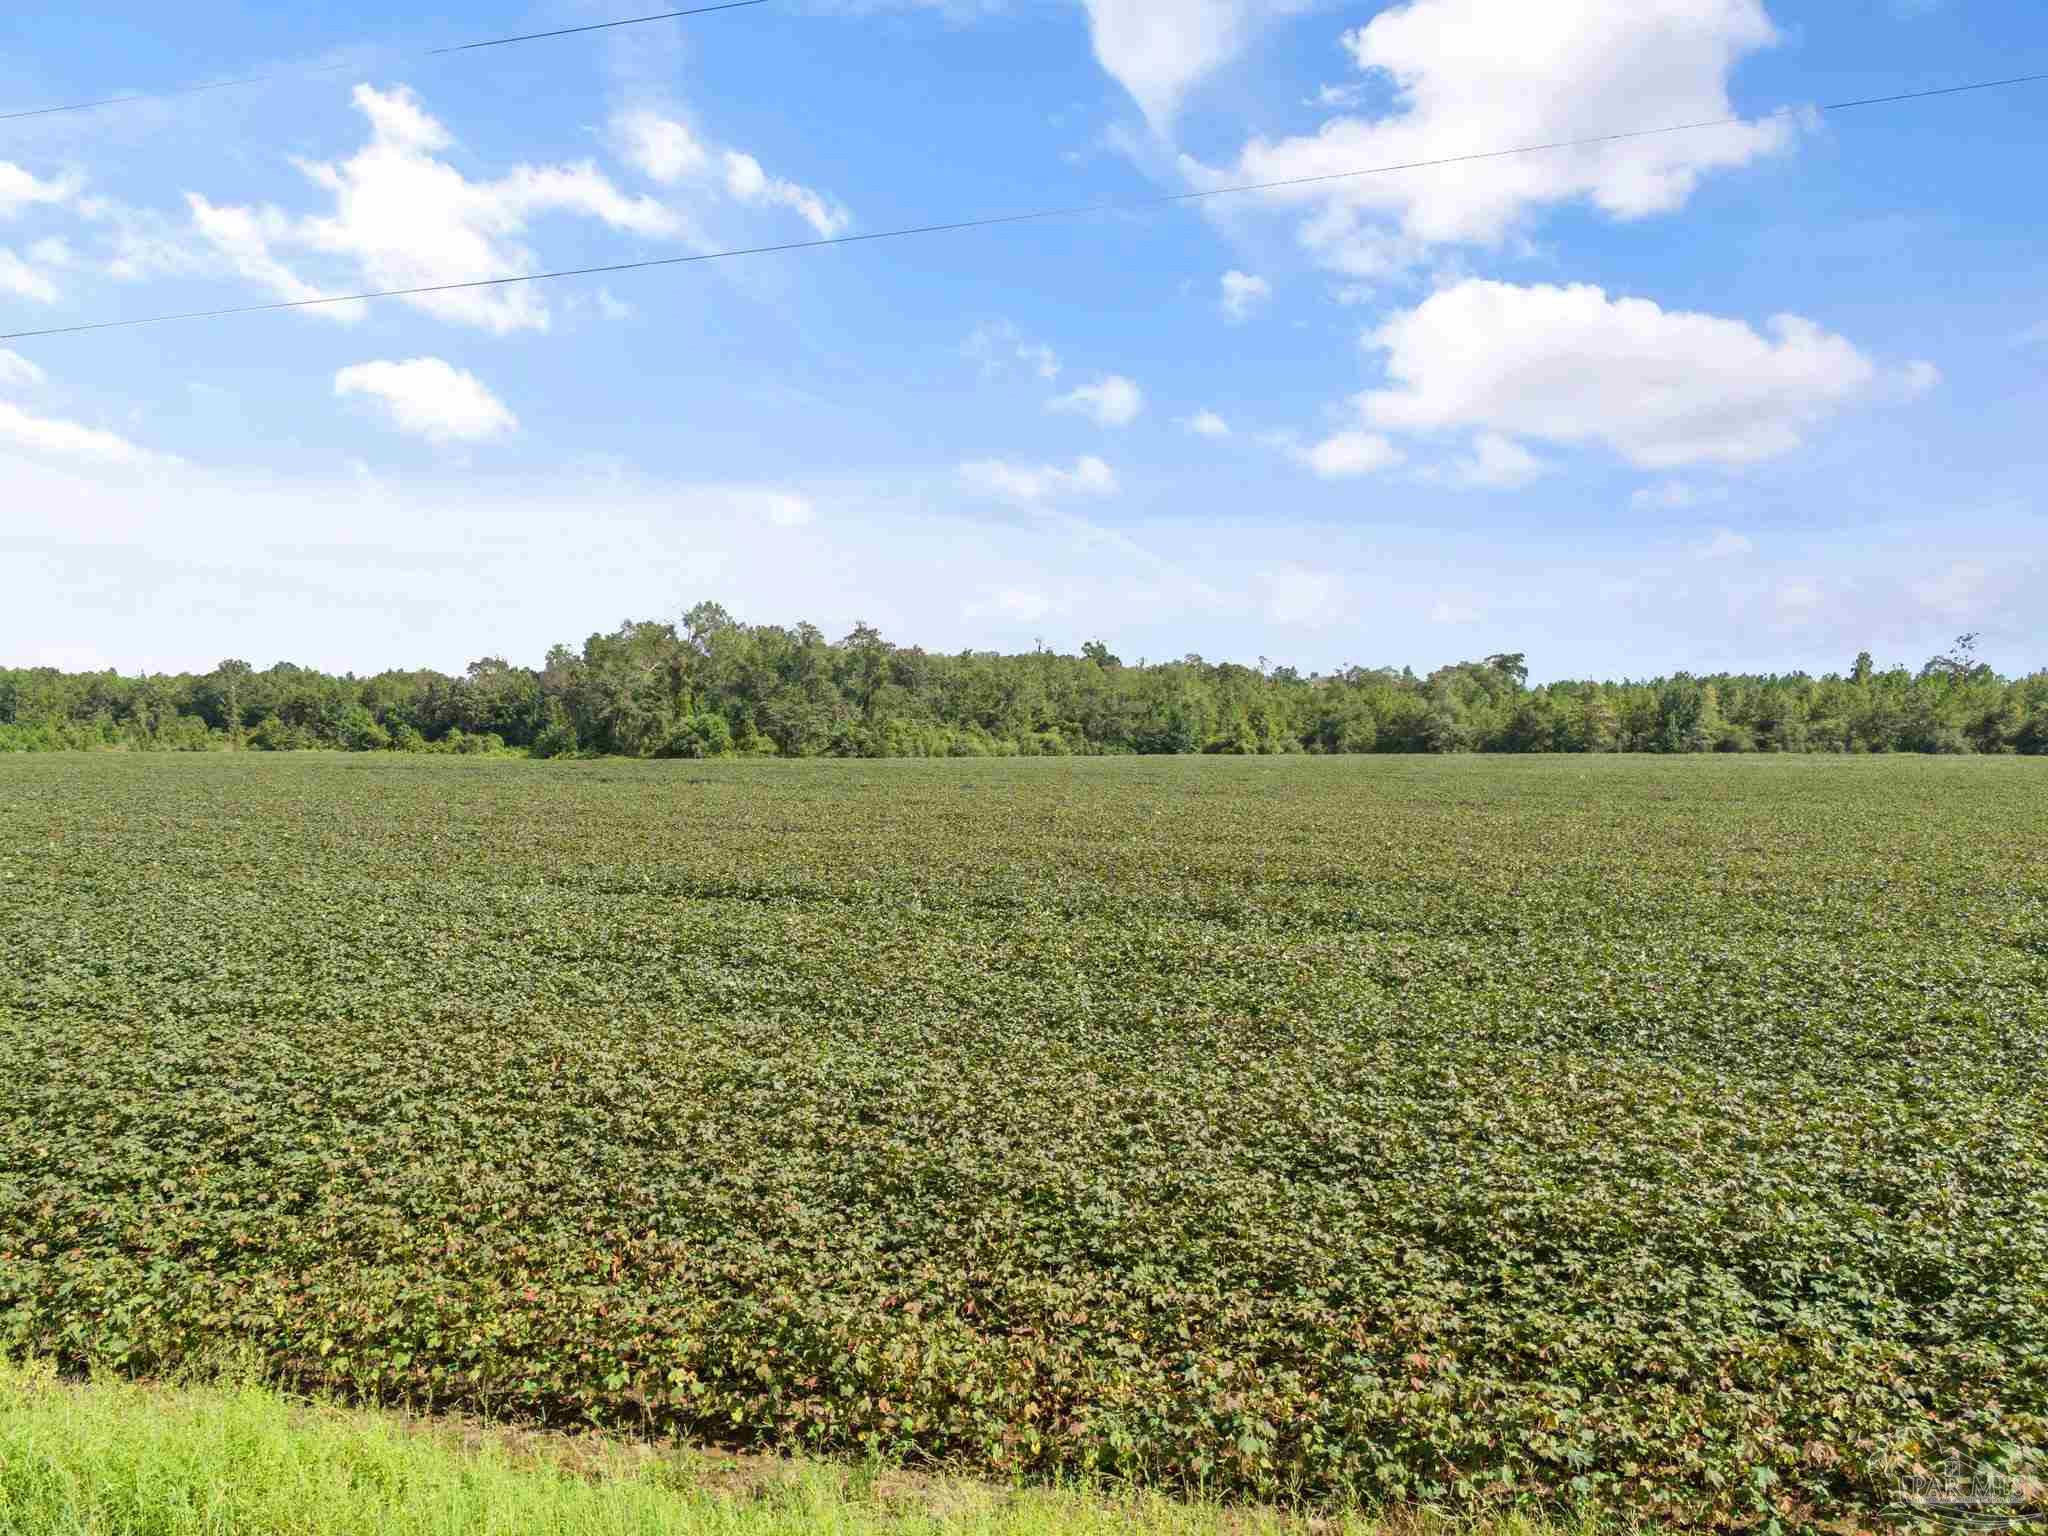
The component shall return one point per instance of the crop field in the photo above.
(1663, 1136)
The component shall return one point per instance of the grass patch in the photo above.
(117, 1458)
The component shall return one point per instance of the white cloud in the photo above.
(429, 398)
(1333, 96)
(363, 574)
(1242, 294)
(1497, 464)
(143, 242)
(24, 281)
(1796, 602)
(50, 437)
(1345, 454)
(1017, 604)
(244, 236)
(402, 219)
(1954, 592)
(662, 148)
(53, 438)
(666, 151)
(17, 372)
(1111, 401)
(1726, 544)
(784, 509)
(1663, 388)
(997, 345)
(1675, 496)
(1474, 75)
(20, 189)
(1302, 595)
(1043, 360)
(747, 182)
(1158, 49)
(1022, 483)
(1207, 424)
(1916, 379)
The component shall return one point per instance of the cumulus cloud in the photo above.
(996, 346)
(1243, 293)
(1663, 388)
(1030, 485)
(666, 151)
(17, 372)
(430, 398)
(1916, 379)
(1344, 455)
(24, 281)
(1207, 424)
(747, 182)
(1471, 75)
(1111, 401)
(661, 147)
(1158, 49)
(403, 218)
(1726, 544)
(1348, 94)
(21, 188)
(138, 243)
(1497, 463)
(51, 437)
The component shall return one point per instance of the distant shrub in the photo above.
(275, 735)
(705, 735)
(971, 742)
(360, 732)
(557, 739)
(1048, 744)
(852, 740)
(29, 738)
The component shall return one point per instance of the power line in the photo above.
(1117, 205)
(595, 26)
(328, 69)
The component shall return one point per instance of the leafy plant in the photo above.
(1656, 1136)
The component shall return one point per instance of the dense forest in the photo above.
(709, 686)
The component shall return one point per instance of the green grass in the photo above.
(1665, 1137)
(115, 1459)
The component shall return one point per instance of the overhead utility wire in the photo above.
(328, 69)
(1113, 206)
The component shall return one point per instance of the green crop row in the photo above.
(1663, 1137)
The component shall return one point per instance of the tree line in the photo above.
(710, 686)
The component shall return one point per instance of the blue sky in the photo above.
(1749, 397)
